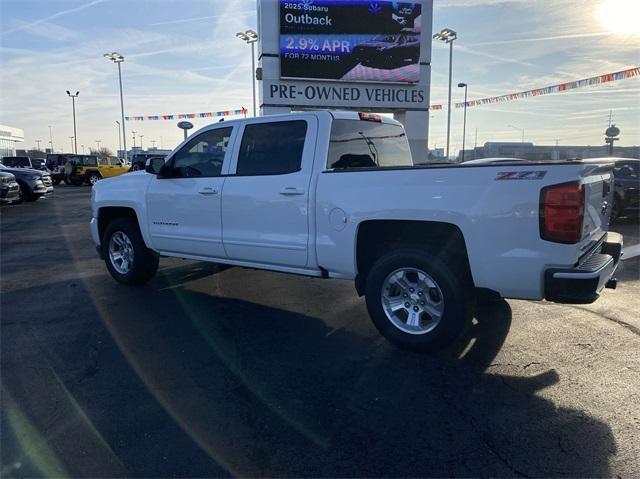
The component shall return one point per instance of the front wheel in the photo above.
(93, 178)
(418, 301)
(127, 257)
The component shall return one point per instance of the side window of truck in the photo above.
(364, 144)
(203, 155)
(272, 148)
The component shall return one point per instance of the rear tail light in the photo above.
(562, 213)
(370, 117)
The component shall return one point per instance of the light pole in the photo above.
(119, 139)
(117, 58)
(448, 36)
(82, 146)
(75, 135)
(141, 137)
(153, 144)
(71, 138)
(134, 139)
(251, 38)
(518, 128)
(38, 142)
(464, 122)
(51, 138)
(98, 143)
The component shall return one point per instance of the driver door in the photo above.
(184, 210)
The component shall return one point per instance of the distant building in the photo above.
(9, 136)
(529, 151)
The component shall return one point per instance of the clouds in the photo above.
(184, 56)
(31, 25)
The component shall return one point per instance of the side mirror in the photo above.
(153, 165)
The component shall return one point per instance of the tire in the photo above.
(135, 167)
(93, 178)
(77, 182)
(143, 263)
(24, 194)
(437, 308)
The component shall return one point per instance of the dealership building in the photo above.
(9, 136)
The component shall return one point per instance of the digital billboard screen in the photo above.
(350, 40)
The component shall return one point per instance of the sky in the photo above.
(183, 56)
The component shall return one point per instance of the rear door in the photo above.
(265, 201)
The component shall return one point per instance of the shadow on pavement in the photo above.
(268, 392)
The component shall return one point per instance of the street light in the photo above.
(71, 138)
(251, 38)
(51, 138)
(98, 143)
(117, 58)
(448, 36)
(134, 139)
(82, 146)
(38, 142)
(518, 128)
(75, 135)
(141, 137)
(464, 122)
(119, 139)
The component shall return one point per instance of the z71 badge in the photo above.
(521, 175)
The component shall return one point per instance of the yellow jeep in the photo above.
(87, 169)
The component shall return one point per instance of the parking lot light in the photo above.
(251, 37)
(447, 35)
(75, 134)
(117, 58)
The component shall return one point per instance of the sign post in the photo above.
(351, 55)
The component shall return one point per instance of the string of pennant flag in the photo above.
(560, 87)
(184, 116)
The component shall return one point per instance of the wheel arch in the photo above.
(375, 238)
(107, 214)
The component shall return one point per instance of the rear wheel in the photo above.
(418, 301)
(127, 257)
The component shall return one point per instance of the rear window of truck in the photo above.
(367, 144)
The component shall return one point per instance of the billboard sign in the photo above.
(350, 40)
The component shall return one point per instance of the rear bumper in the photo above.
(582, 284)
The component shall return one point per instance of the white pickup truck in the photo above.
(336, 195)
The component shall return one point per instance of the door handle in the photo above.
(291, 190)
(208, 191)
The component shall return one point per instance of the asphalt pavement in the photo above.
(210, 371)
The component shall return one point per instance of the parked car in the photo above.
(89, 169)
(17, 162)
(626, 188)
(33, 184)
(389, 51)
(9, 188)
(139, 160)
(420, 242)
(39, 164)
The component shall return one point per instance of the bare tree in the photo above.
(103, 152)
